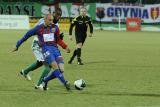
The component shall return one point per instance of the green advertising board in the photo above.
(72, 10)
(39, 10)
(20, 8)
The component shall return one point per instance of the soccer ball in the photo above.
(79, 84)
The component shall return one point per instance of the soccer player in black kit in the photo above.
(81, 23)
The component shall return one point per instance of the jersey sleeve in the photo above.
(62, 44)
(30, 33)
(59, 41)
(90, 26)
(72, 25)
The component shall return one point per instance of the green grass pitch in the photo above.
(122, 69)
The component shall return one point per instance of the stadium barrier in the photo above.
(64, 23)
(107, 16)
(14, 22)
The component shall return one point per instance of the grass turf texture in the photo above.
(122, 69)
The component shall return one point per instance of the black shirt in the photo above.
(81, 23)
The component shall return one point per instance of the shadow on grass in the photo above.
(56, 89)
(99, 62)
(117, 93)
(134, 94)
(74, 91)
(122, 94)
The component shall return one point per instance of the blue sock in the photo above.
(54, 74)
(49, 77)
(59, 75)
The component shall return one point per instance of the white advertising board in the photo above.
(14, 22)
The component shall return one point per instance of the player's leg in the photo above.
(45, 72)
(79, 49)
(60, 61)
(40, 59)
(73, 56)
(61, 67)
(32, 67)
(78, 40)
(56, 73)
(51, 60)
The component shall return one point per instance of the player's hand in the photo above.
(70, 37)
(14, 49)
(68, 50)
(90, 35)
(61, 36)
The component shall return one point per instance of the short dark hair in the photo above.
(58, 11)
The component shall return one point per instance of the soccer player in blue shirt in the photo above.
(48, 36)
(37, 51)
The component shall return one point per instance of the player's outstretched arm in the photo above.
(71, 28)
(91, 28)
(30, 33)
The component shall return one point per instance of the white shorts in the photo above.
(38, 54)
(37, 51)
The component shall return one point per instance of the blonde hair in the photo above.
(82, 7)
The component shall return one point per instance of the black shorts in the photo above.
(80, 38)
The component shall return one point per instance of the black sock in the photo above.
(74, 54)
(78, 53)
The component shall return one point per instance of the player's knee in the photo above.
(60, 60)
(79, 45)
(54, 65)
(61, 68)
